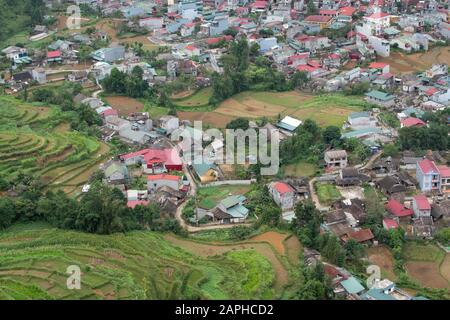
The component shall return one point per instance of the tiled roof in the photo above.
(282, 187)
(397, 209)
(427, 166)
(422, 202)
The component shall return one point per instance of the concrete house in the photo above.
(421, 207)
(427, 174)
(109, 54)
(231, 210)
(336, 159)
(116, 173)
(154, 182)
(363, 119)
(282, 194)
(380, 98)
(39, 75)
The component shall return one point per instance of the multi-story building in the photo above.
(432, 177)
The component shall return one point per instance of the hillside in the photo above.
(138, 265)
(35, 140)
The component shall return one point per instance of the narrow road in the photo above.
(314, 196)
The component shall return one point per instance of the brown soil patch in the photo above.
(274, 238)
(125, 105)
(293, 249)
(214, 119)
(407, 63)
(427, 274)
(382, 257)
(445, 267)
(208, 250)
(182, 94)
(249, 108)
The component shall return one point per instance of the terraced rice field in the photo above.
(428, 265)
(31, 143)
(330, 109)
(137, 265)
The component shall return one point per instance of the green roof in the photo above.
(361, 132)
(378, 294)
(202, 168)
(383, 96)
(116, 167)
(361, 114)
(351, 285)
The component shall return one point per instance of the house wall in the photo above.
(426, 181)
(380, 45)
(420, 213)
(285, 201)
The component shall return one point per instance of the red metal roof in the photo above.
(168, 156)
(133, 203)
(347, 11)
(377, 65)
(282, 187)
(378, 15)
(163, 177)
(390, 223)
(444, 171)
(317, 18)
(412, 122)
(397, 209)
(110, 112)
(327, 12)
(428, 166)
(53, 54)
(422, 202)
(431, 91)
(361, 235)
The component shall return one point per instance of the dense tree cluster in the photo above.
(81, 118)
(131, 85)
(16, 16)
(244, 70)
(262, 205)
(102, 210)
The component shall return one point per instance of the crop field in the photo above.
(327, 193)
(408, 63)
(125, 105)
(382, 257)
(198, 99)
(324, 109)
(428, 265)
(300, 169)
(280, 250)
(31, 142)
(137, 265)
(209, 197)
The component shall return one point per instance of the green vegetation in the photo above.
(426, 252)
(300, 169)
(327, 193)
(199, 99)
(19, 16)
(390, 119)
(434, 137)
(121, 266)
(35, 140)
(257, 276)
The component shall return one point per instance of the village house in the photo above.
(390, 184)
(412, 122)
(109, 54)
(116, 173)
(288, 125)
(154, 160)
(231, 210)
(154, 182)
(363, 119)
(282, 194)
(398, 210)
(380, 98)
(336, 159)
(206, 172)
(427, 174)
(421, 207)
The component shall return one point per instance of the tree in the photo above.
(7, 212)
(238, 123)
(332, 135)
(311, 8)
(299, 80)
(101, 211)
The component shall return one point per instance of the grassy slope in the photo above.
(138, 265)
(31, 142)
